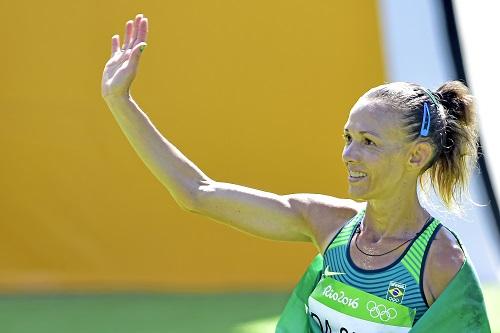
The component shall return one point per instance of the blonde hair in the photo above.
(453, 132)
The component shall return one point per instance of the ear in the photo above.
(420, 155)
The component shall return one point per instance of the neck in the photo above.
(393, 217)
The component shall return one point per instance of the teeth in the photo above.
(356, 174)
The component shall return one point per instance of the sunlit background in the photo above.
(253, 92)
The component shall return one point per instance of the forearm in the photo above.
(174, 170)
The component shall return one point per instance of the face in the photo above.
(375, 152)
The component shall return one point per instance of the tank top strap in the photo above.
(415, 256)
(343, 236)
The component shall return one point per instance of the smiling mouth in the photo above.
(356, 176)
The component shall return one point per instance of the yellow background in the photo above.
(253, 92)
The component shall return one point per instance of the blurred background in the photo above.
(253, 92)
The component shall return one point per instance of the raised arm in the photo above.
(298, 217)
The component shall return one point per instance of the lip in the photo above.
(355, 179)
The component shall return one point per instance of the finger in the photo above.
(115, 44)
(136, 54)
(142, 34)
(128, 33)
(136, 29)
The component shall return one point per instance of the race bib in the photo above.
(335, 307)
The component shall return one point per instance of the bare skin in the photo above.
(388, 191)
(376, 145)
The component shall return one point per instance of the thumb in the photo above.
(137, 51)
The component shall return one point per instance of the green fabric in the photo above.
(346, 299)
(294, 317)
(460, 308)
(414, 258)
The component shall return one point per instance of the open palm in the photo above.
(121, 68)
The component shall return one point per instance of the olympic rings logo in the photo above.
(380, 311)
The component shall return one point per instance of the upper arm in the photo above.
(291, 217)
(325, 216)
(444, 260)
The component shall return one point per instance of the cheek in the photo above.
(387, 166)
(391, 168)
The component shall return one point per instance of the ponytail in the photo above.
(450, 172)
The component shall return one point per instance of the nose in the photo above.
(350, 154)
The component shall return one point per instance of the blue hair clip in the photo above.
(426, 121)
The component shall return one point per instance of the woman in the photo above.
(385, 259)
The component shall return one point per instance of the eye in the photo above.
(369, 142)
(347, 138)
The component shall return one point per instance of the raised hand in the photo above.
(121, 68)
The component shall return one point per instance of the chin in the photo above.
(358, 196)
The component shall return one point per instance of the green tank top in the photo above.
(400, 282)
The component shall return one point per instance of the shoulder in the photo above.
(445, 258)
(324, 214)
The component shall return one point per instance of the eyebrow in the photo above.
(363, 132)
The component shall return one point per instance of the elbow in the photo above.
(187, 202)
(187, 208)
(192, 200)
